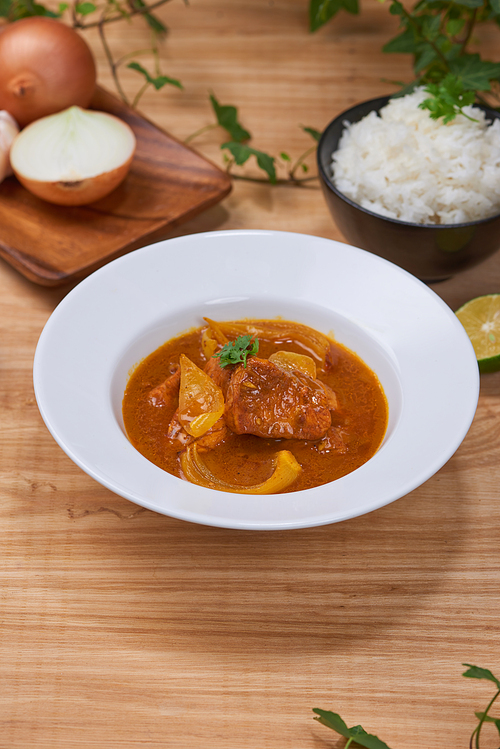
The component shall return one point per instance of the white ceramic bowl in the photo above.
(124, 311)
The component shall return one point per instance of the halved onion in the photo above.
(285, 471)
(8, 131)
(73, 157)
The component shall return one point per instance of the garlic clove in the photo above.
(8, 131)
(73, 157)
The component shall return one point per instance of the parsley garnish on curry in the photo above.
(255, 407)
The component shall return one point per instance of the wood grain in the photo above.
(168, 183)
(123, 628)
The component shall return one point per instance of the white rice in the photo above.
(404, 165)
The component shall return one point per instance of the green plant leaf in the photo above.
(333, 721)
(495, 6)
(469, 3)
(475, 73)
(356, 733)
(85, 8)
(227, 117)
(241, 153)
(157, 82)
(403, 43)
(489, 719)
(17, 9)
(424, 57)
(351, 6)
(430, 25)
(316, 134)
(475, 672)
(321, 11)
(153, 22)
(397, 8)
(455, 25)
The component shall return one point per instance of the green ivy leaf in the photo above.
(17, 9)
(241, 153)
(469, 3)
(316, 134)
(357, 733)
(424, 57)
(227, 117)
(455, 25)
(157, 82)
(475, 73)
(85, 8)
(333, 721)
(397, 8)
(430, 26)
(403, 43)
(153, 22)
(321, 11)
(489, 719)
(474, 672)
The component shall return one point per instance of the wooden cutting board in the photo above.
(168, 183)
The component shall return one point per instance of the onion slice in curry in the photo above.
(285, 471)
(289, 361)
(201, 402)
(317, 344)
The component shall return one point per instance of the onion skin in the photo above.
(45, 67)
(80, 192)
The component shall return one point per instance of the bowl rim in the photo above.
(378, 103)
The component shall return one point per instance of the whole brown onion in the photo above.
(45, 67)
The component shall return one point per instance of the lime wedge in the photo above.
(481, 320)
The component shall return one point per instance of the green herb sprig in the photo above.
(236, 352)
(448, 99)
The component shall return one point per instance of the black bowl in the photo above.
(432, 253)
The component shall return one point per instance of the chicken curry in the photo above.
(255, 407)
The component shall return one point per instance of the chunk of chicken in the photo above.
(162, 394)
(220, 375)
(264, 400)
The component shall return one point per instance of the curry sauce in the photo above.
(358, 421)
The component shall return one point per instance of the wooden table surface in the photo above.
(124, 628)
